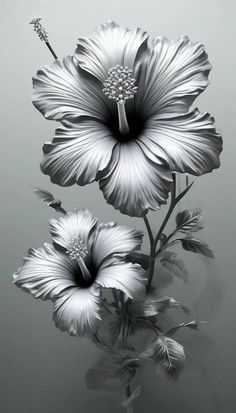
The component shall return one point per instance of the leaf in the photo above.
(46, 197)
(115, 326)
(189, 221)
(197, 246)
(193, 325)
(168, 356)
(174, 265)
(111, 373)
(152, 305)
(138, 258)
(164, 304)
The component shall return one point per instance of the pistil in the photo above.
(77, 252)
(120, 86)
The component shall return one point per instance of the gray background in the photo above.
(42, 369)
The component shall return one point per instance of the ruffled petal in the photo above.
(189, 143)
(112, 239)
(126, 277)
(173, 76)
(45, 273)
(134, 183)
(108, 46)
(60, 92)
(77, 311)
(78, 153)
(79, 223)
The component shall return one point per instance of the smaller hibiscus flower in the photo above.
(85, 256)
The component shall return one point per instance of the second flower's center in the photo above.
(77, 251)
(120, 86)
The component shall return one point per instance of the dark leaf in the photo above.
(193, 325)
(189, 221)
(167, 355)
(174, 265)
(197, 246)
(137, 257)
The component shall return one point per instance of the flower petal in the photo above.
(173, 76)
(108, 46)
(78, 223)
(78, 153)
(45, 273)
(110, 239)
(77, 311)
(60, 92)
(123, 276)
(189, 142)
(135, 183)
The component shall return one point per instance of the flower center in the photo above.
(120, 86)
(77, 251)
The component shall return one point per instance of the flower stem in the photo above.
(154, 241)
(152, 252)
(129, 408)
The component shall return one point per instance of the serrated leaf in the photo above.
(167, 355)
(193, 325)
(111, 373)
(189, 221)
(197, 246)
(174, 265)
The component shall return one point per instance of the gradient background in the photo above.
(42, 370)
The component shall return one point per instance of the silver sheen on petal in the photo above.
(124, 104)
(84, 258)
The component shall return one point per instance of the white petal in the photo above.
(60, 92)
(108, 46)
(110, 239)
(78, 223)
(126, 277)
(189, 142)
(77, 311)
(175, 74)
(135, 183)
(45, 273)
(78, 153)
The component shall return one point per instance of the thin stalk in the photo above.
(174, 201)
(129, 408)
(152, 252)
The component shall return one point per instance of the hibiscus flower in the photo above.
(124, 107)
(84, 258)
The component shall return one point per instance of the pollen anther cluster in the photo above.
(119, 85)
(77, 249)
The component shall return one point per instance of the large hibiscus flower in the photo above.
(124, 106)
(85, 256)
